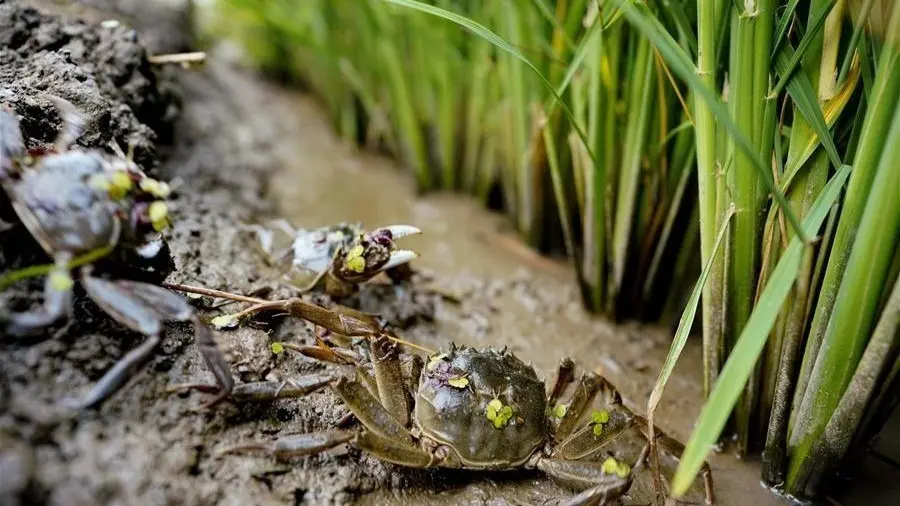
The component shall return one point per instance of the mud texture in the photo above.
(101, 70)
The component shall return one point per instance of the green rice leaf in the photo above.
(750, 344)
(783, 23)
(808, 38)
(687, 319)
(680, 64)
(483, 32)
(801, 90)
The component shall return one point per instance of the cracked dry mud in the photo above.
(242, 150)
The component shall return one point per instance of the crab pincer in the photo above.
(338, 258)
(354, 257)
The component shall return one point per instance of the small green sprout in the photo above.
(156, 188)
(599, 418)
(498, 413)
(433, 361)
(458, 382)
(159, 215)
(612, 466)
(355, 261)
(226, 321)
(61, 281)
(560, 411)
(119, 185)
(277, 348)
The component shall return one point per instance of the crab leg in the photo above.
(57, 301)
(383, 436)
(673, 450)
(597, 495)
(389, 379)
(585, 441)
(318, 442)
(143, 308)
(260, 391)
(73, 122)
(334, 321)
(600, 482)
(366, 377)
(392, 450)
(370, 412)
(297, 445)
(383, 377)
(588, 386)
(565, 374)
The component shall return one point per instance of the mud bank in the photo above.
(240, 150)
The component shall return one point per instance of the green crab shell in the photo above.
(452, 406)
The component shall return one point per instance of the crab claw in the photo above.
(399, 231)
(374, 252)
(398, 258)
(392, 233)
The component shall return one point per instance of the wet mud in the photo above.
(240, 150)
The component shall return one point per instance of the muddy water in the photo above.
(509, 297)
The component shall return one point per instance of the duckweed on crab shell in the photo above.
(503, 394)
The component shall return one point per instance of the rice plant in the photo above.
(801, 317)
(757, 139)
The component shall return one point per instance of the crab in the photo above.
(481, 410)
(84, 206)
(338, 258)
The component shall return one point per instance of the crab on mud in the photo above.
(85, 206)
(337, 258)
(484, 409)
(340, 257)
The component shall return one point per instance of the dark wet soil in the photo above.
(240, 150)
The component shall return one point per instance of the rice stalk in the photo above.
(867, 263)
